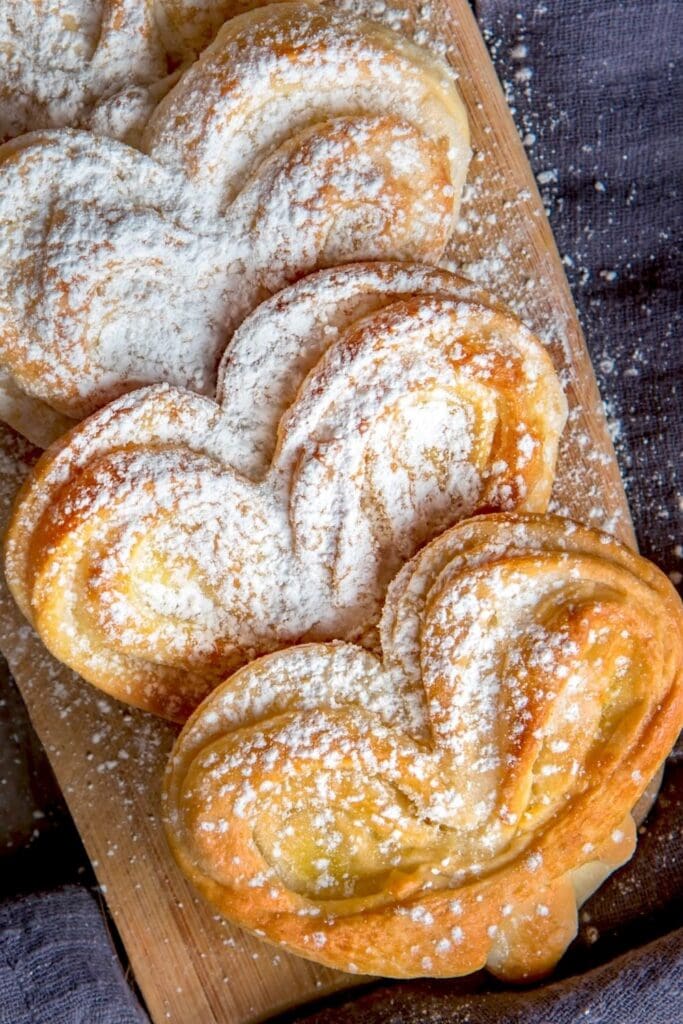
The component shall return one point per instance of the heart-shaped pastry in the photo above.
(301, 138)
(447, 808)
(169, 539)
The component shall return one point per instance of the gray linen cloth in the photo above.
(58, 964)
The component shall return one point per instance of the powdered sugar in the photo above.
(58, 61)
(119, 799)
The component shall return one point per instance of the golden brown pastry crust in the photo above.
(446, 809)
(168, 540)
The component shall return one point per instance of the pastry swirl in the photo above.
(444, 809)
(281, 69)
(167, 539)
(301, 138)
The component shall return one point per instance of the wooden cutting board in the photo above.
(191, 967)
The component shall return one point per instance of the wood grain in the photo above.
(108, 760)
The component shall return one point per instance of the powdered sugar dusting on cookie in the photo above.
(58, 61)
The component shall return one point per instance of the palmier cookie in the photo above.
(301, 138)
(446, 808)
(169, 539)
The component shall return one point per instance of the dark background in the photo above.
(596, 90)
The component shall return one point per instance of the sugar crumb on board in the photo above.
(596, 197)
